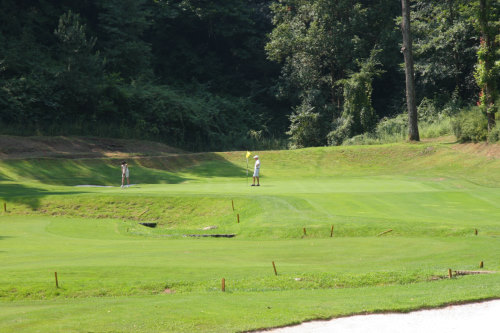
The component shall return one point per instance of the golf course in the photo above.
(331, 232)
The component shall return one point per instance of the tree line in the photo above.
(240, 74)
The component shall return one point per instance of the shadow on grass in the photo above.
(3, 177)
(143, 170)
(84, 172)
(204, 165)
(218, 167)
(29, 196)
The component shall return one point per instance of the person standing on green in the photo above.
(125, 174)
(256, 170)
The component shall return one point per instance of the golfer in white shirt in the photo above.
(125, 174)
(256, 170)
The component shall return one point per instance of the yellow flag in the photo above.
(248, 154)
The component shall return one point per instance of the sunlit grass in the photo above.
(118, 275)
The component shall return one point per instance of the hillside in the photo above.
(79, 160)
(18, 147)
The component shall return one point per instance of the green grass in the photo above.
(113, 272)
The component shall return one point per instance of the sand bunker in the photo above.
(465, 318)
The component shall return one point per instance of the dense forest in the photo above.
(246, 74)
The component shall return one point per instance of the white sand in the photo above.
(468, 318)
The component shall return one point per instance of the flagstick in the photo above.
(247, 171)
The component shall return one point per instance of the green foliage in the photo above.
(427, 110)
(487, 73)
(393, 127)
(437, 128)
(206, 74)
(316, 41)
(470, 125)
(390, 130)
(435, 121)
(304, 128)
(358, 115)
(487, 78)
(123, 24)
(198, 120)
(445, 44)
(140, 69)
(494, 135)
(78, 79)
(342, 130)
(75, 44)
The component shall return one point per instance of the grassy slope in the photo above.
(431, 195)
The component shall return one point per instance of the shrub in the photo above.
(304, 127)
(388, 130)
(393, 129)
(439, 127)
(362, 139)
(427, 111)
(470, 125)
(494, 135)
(342, 131)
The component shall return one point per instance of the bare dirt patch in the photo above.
(15, 147)
(490, 150)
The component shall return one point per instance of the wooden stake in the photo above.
(5, 207)
(144, 212)
(384, 232)
(223, 284)
(232, 203)
(475, 232)
(274, 266)
(331, 232)
(449, 273)
(305, 233)
(481, 264)
(238, 216)
(57, 283)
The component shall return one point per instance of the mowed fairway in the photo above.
(116, 275)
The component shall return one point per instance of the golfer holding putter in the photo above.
(256, 170)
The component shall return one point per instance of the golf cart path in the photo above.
(465, 318)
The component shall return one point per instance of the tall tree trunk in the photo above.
(410, 76)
